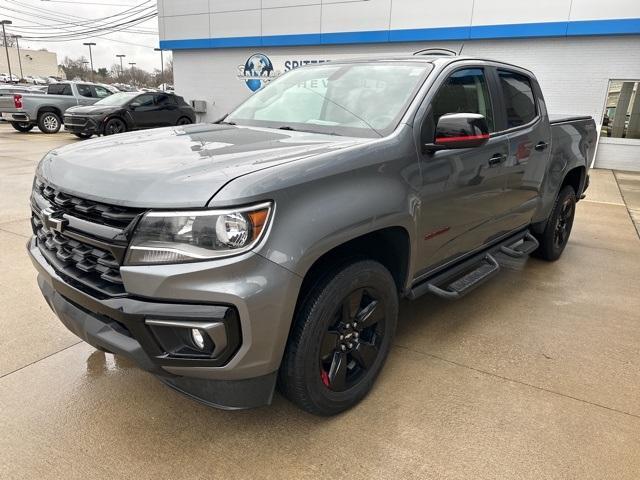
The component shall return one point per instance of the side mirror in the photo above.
(459, 130)
(134, 105)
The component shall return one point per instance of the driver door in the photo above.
(144, 110)
(463, 190)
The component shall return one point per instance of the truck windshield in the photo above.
(358, 99)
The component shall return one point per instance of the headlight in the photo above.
(178, 237)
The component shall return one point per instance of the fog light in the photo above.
(198, 339)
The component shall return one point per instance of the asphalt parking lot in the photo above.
(534, 375)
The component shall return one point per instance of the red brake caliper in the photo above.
(325, 378)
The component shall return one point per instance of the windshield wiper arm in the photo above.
(287, 127)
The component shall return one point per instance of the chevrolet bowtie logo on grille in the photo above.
(52, 220)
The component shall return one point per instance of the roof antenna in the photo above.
(461, 48)
(444, 52)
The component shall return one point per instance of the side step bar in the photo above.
(528, 246)
(464, 276)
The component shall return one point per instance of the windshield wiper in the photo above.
(287, 127)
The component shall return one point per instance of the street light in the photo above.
(90, 44)
(164, 86)
(121, 67)
(6, 48)
(132, 65)
(18, 37)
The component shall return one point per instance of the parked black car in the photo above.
(126, 111)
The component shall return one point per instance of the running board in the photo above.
(453, 282)
(521, 248)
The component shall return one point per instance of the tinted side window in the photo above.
(518, 98)
(164, 99)
(145, 100)
(85, 90)
(465, 91)
(60, 89)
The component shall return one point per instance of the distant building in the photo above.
(37, 63)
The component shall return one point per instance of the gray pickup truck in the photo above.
(272, 247)
(46, 110)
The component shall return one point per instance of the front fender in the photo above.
(324, 201)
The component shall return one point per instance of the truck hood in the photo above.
(176, 167)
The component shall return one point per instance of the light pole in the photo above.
(18, 37)
(132, 65)
(121, 67)
(90, 44)
(6, 48)
(84, 65)
(164, 85)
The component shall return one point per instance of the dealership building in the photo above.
(585, 53)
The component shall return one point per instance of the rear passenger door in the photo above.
(523, 117)
(462, 197)
(168, 111)
(85, 95)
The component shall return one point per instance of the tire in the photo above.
(22, 127)
(49, 122)
(317, 374)
(115, 126)
(555, 236)
(84, 136)
(184, 121)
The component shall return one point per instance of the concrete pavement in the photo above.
(534, 375)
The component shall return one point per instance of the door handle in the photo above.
(541, 146)
(497, 159)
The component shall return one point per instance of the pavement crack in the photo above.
(14, 233)
(39, 360)
(519, 382)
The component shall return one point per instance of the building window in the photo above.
(622, 111)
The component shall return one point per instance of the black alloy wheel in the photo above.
(115, 126)
(184, 121)
(342, 333)
(555, 236)
(351, 345)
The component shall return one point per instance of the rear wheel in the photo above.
(555, 236)
(341, 337)
(184, 121)
(49, 122)
(84, 136)
(115, 126)
(22, 127)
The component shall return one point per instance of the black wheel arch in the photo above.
(51, 109)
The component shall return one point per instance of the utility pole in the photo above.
(164, 84)
(18, 37)
(6, 48)
(121, 66)
(132, 65)
(90, 44)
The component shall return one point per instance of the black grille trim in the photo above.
(90, 248)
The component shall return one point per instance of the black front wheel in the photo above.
(115, 126)
(341, 337)
(555, 236)
(22, 127)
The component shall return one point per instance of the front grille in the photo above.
(73, 121)
(100, 213)
(83, 241)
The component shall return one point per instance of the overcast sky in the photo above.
(130, 44)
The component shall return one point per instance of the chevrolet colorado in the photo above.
(272, 247)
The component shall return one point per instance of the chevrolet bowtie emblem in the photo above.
(52, 220)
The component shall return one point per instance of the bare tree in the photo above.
(11, 42)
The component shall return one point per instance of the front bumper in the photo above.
(86, 125)
(246, 379)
